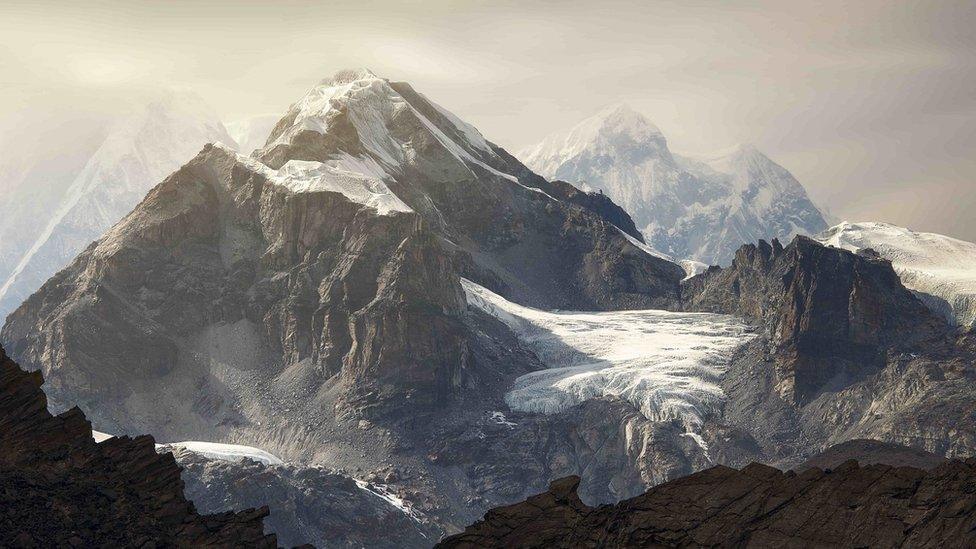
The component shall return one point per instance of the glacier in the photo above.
(666, 364)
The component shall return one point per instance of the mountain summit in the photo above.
(694, 209)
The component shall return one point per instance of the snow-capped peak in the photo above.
(614, 127)
(348, 76)
(621, 118)
(373, 122)
(156, 134)
(701, 209)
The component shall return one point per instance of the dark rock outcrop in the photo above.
(832, 317)
(61, 489)
(759, 506)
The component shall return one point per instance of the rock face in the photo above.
(308, 505)
(941, 270)
(61, 489)
(73, 208)
(687, 208)
(831, 316)
(846, 352)
(759, 506)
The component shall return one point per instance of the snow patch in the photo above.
(498, 418)
(384, 493)
(99, 436)
(224, 452)
(690, 266)
(666, 364)
(360, 179)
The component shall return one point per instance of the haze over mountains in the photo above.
(380, 292)
(699, 209)
(51, 217)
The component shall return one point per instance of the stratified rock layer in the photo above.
(60, 489)
(759, 506)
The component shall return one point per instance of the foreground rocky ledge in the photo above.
(58, 488)
(759, 506)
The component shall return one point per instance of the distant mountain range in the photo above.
(697, 209)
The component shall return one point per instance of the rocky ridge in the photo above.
(61, 489)
(758, 506)
(940, 270)
(307, 504)
(846, 352)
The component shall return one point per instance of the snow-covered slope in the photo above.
(941, 268)
(687, 208)
(138, 151)
(358, 179)
(211, 450)
(666, 364)
(223, 452)
(252, 133)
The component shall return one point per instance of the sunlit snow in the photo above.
(360, 179)
(225, 452)
(667, 364)
(386, 495)
(211, 450)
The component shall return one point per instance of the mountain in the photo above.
(250, 134)
(941, 270)
(89, 186)
(701, 210)
(308, 300)
(62, 489)
(382, 292)
(758, 506)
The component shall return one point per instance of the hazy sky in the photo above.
(872, 105)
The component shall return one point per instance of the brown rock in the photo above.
(61, 489)
(759, 506)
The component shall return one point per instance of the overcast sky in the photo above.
(872, 105)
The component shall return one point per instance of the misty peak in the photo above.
(348, 76)
(621, 117)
